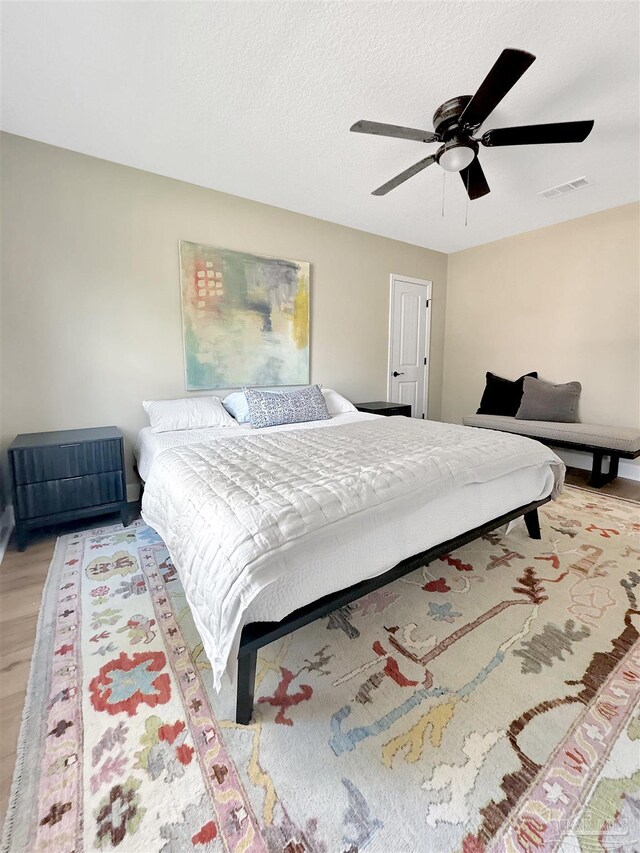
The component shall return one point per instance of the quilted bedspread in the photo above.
(224, 507)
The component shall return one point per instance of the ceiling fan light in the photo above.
(456, 157)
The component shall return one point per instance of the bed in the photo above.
(270, 529)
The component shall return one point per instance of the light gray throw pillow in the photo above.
(288, 407)
(544, 401)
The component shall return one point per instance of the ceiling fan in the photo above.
(455, 122)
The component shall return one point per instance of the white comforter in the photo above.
(224, 508)
(150, 445)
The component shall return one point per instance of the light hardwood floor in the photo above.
(22, 577)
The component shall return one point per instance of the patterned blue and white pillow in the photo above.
(288, 407)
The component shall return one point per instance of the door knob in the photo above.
(395, 373)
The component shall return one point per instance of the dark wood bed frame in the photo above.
(258, 634)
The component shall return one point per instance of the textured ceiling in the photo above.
(256, 99)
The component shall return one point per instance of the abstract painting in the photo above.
(245, 318)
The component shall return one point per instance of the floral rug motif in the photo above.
(489, 701)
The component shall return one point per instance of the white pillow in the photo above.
(237, 406)
(189, 413)
(336, 403)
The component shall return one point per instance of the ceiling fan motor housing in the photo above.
(445, 118)
(459, 149)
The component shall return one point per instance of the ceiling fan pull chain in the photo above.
(466, 204)
(444, 177)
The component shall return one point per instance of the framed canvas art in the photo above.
(245, 318)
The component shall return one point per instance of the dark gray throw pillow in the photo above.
(544, 401)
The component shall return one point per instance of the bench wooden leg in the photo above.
(598, 479)
(533, 524)
(246, 685)
(613, 467)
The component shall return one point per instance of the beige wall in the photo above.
(90, 321)
(90, 305)
(563, 300)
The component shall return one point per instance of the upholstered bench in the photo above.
(615, 442)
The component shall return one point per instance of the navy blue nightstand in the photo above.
(66, 475)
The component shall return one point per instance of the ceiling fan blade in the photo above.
(538, 134)
(404, 176)
(395, 130)
(508, 69)
(474, 180)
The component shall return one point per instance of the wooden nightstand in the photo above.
(380, 407)
(66, 475)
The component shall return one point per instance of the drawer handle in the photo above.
(77, 444)
(71, 478)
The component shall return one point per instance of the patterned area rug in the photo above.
(487, 702)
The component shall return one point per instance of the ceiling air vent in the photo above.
(563, 189)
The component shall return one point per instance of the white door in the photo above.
(409, 343)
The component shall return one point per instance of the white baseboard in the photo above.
(628, 468)
(133, 491)
(6, 529)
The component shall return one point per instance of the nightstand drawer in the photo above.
(38, 464)
(55, 496)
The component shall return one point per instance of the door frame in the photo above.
(428, 286)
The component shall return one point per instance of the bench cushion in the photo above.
(624, 439)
